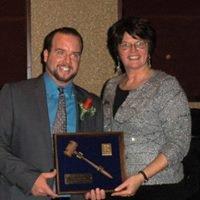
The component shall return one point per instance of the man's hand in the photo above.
(96, 194)
(41, 188)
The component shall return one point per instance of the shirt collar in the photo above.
(51, 86)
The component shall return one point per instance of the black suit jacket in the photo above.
(25, 138)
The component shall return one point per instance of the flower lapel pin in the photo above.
(87, 108)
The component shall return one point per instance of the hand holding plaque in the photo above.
(70, 151)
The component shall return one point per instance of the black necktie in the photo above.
(59, 125)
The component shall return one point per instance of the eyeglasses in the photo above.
(140, 44)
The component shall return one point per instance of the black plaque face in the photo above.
(88, 160)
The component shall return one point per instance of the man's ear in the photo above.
(45, 55)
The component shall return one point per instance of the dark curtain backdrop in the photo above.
(13, 40)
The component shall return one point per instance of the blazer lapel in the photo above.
(134, 103)
(79, 98)
(87, 123)
(40, 94)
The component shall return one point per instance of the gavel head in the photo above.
(70, 148)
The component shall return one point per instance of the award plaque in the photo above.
(88, 160)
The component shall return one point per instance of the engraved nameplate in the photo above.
(78, 178)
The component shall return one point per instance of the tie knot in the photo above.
(61, 90)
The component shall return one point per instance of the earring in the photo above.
(149, 61)
(118, 66)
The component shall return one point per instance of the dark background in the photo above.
(13, 40)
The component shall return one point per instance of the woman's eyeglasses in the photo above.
(140, 44)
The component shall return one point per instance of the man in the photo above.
(28, 111)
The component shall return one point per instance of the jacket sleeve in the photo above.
(12, 169)
(175, 120)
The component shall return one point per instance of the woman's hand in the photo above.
(95, 194)
(129, 187)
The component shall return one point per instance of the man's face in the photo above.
(62, 62)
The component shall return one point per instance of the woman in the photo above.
(151, 108)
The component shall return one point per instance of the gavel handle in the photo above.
(98, 168)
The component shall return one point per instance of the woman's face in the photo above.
(133, 52)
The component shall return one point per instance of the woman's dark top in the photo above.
(120, 97)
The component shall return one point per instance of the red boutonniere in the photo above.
(87, 108)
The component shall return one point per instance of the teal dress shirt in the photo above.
(52, 94)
